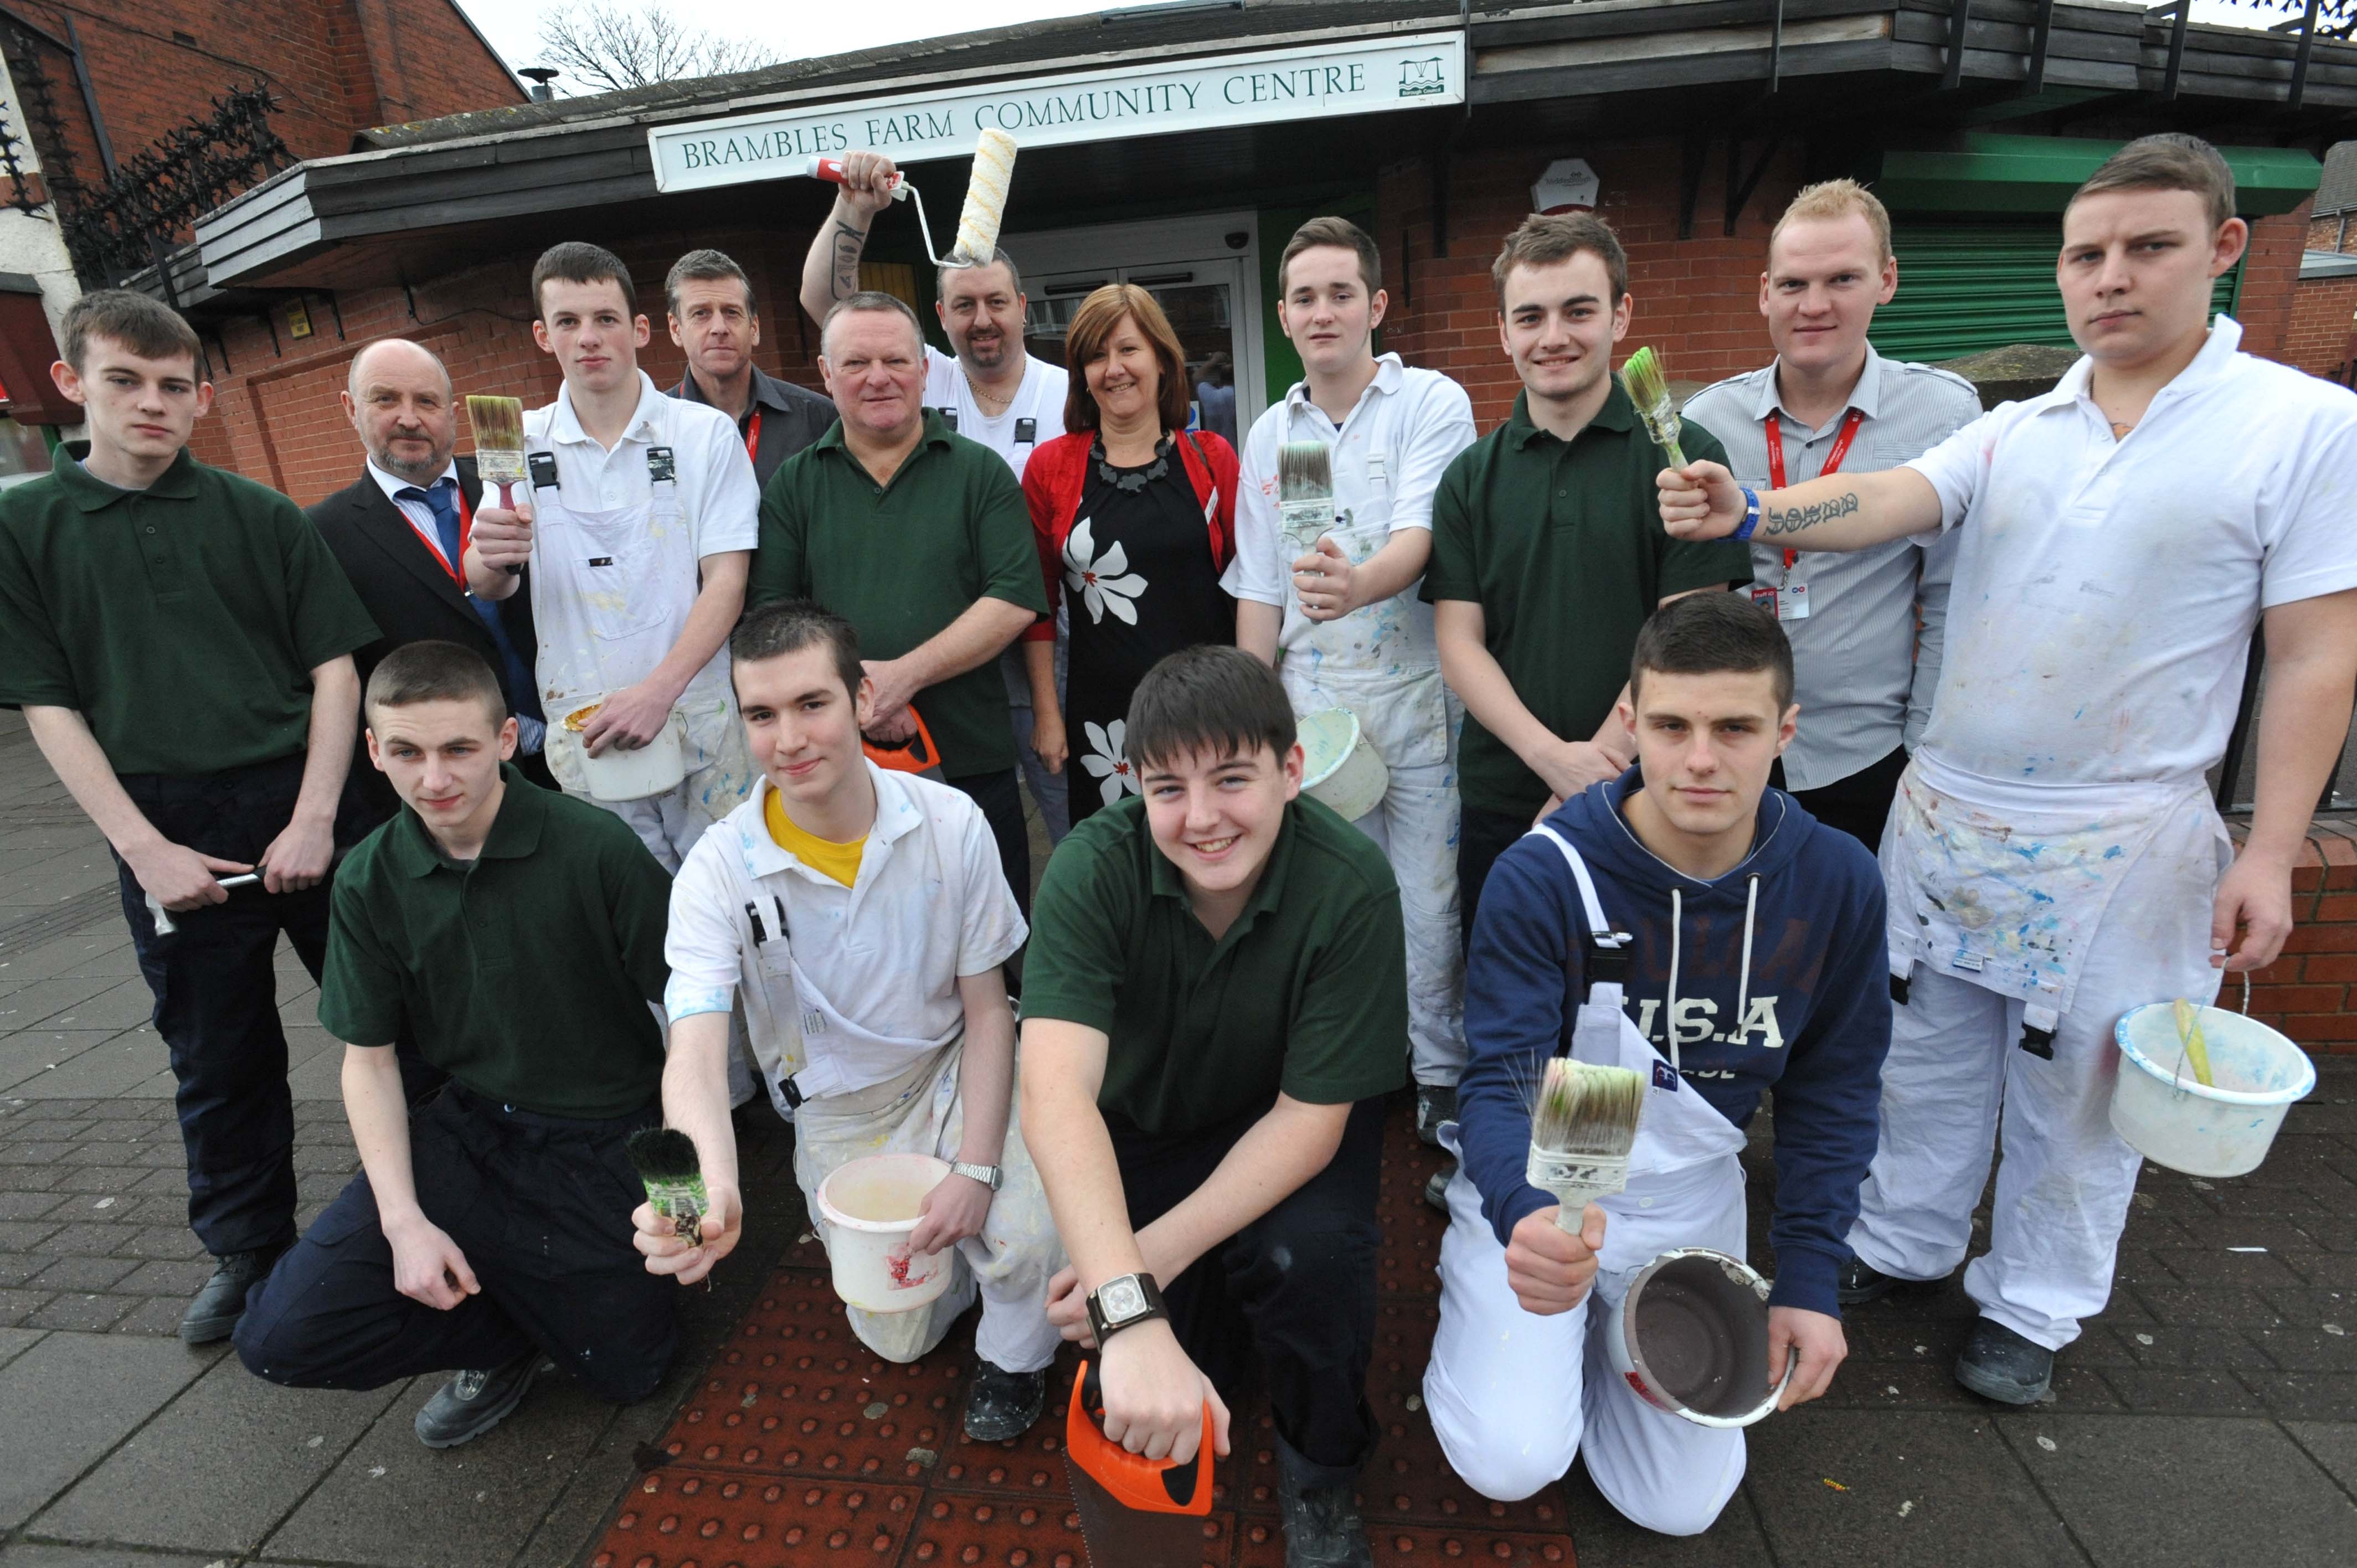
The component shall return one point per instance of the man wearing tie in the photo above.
(400, 533)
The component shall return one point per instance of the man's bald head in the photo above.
(398, 398)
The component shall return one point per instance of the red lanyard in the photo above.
(753, 435)
(1848, 433)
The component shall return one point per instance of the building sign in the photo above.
(1144, 100)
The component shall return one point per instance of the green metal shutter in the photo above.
(1965, 286)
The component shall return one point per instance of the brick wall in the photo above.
(2270, 279)
(2307, 992)
(2333, 232)
(2324, 315)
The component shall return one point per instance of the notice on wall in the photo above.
(1142, 100)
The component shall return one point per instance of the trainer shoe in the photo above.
(1435, 1104)
(472, 1403)
(213, 1312)
(2000, 1365)
(1002, 1405)
(1436, 1187)
(1322, 1525)
(1860, 1282)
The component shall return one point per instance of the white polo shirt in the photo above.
(930, 904)
(2107, 590)
(716, 488)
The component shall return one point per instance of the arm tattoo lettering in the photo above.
(848, 243)
(1792, 520)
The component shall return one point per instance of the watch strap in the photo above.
(989, 1175)
(1103, 1330)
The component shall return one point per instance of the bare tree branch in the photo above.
(603, 46)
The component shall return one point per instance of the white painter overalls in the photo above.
(612, 593)
(2023, 922)
(1513, 1396)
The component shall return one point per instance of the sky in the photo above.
(809, 27)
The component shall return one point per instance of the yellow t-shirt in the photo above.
(839, 861)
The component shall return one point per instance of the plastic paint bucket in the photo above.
(653, 769)
(2172, 1119)
(870, 1205)
(1339, 766)
(1691, 1336)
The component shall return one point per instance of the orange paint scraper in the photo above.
(1136, 1512)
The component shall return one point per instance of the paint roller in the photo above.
(985, 199)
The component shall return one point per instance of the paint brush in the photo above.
(1305, 493)
(666, 1162)
(2196, 1050)
(1581, 1132)
(498, 423)
(1648, 389)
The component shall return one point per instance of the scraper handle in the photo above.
(1150, 1486)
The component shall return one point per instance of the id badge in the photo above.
(1791, 602)
(1765, 599)
(662, 467)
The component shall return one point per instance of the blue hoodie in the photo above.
(1812, 1018)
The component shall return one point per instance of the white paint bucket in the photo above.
(870, 1205)
(1339, 766)
(1691, 1336)
(2172, 1119)
(614, 774)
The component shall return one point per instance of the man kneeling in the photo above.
(1753, 958)
(1216, 1002)
(864, 917)
(517, 935)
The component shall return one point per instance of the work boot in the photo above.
(1858, 1281)
(1998, 1364)
(1435, 1104)
(1002, 1405)
(214, 1311)
(1322, 1525)
(1436, 1187)
(472, 1403)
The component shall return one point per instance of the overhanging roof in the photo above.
(2326, 265)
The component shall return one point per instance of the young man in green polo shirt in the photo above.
(180, 642)
(920, 538)
(1548, 550)
(517, 934)
(1218, 989)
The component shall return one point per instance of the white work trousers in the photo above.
(1514, 1396)
(1416, 825)
(2063, 1186)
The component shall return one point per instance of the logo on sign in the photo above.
(1422, 78)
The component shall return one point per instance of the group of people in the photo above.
(1632, 816)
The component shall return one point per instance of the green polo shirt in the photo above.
(524, 974)
(1561, 543)
(182, 621)
(1307, 992)
(901, 560)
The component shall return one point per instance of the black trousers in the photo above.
(1858, 805)
(1482, 837)
(1296, 1286)
(541, 1206)
(1002, 806)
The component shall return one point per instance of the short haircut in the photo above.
(1341, 233)
(576, 260)
(788, 625)
(352, 377)
(871, 299)
(1839, 199)
(706, 266)
(2169, 161)
(1093, 325)
(1545, 238)
(1213, 698)
(1710, 634)
(998, 258)
(147, 328)
(433, 671)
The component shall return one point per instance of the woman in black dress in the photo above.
(1134, 515)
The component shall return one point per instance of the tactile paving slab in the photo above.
(800, 1446)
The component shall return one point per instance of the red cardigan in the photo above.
(1057, 472)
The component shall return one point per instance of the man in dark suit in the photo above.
(713, 317)
(398, 531)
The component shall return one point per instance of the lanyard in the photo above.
(1847, 434)
(457, 569)
(753, 435)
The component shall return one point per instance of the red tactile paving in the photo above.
(803, 1447)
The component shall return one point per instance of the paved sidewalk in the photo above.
(2209, 1416)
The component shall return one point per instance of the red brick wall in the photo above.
(2307, 992)
(2324, 315)
(2333, 232)
(2270, 278)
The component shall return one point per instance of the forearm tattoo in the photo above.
(1793, 518)
(848, 243)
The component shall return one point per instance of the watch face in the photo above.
(1121, 1300)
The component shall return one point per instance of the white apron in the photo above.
(612, 593)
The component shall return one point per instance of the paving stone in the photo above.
(177, 1483)
(40, 1554)
(2217, 1266)
(156, 1314)
(2205, 1307)
(168, 1242)
(2308, 1396)
(573, 1521)
(32, 1055)
(86, 1314)
(16, 1306)
(1920, 1489)
(2331, 1443)
(2311, 1349)
(108, 1068)
(2157, 1391)
(82, 1273)
(2235, 1489)
(2308, 1306)
(71, 1397)
(126, 1005)
(172, 1279)
(24, 1235)
(14, 1342)
(28, 1003)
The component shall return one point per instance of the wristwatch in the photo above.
(989, 1175)
(1124, 1302)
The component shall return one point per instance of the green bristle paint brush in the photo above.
(1581, 1132)
(1648, 389)
(666, 1163)
(1305, 494)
